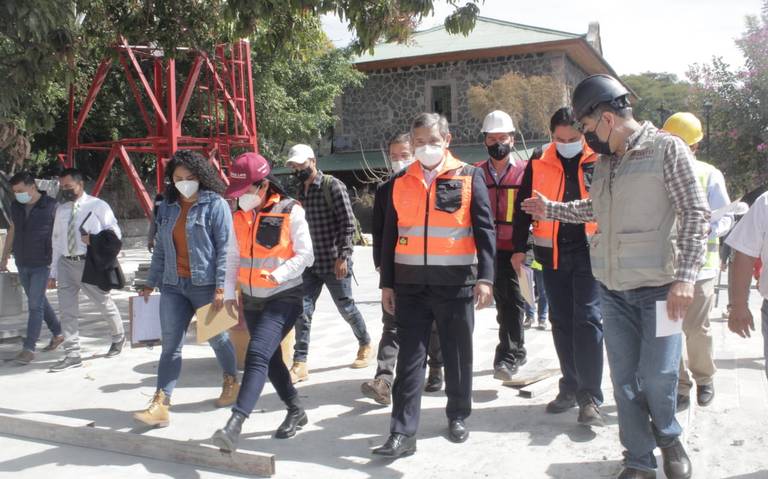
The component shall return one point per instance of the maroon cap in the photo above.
(246, 170)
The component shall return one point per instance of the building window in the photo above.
(442, 101)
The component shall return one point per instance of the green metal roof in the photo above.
(488, 33)
(375, 159)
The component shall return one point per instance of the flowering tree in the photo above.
(739, 112)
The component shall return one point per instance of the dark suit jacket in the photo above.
(101, 266)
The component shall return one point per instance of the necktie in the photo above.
(72, 231)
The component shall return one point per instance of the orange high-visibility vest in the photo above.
(264, 240)
(435, 242)
(549, 180)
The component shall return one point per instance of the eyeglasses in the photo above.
(583, 129)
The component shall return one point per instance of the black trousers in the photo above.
(510, 312)
(389, 346)
(452, 309)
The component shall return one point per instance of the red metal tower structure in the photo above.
(224, 83)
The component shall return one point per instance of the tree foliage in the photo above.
(739, 112)
(660, 95)
(530, 101)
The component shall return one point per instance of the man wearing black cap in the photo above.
(652, 219)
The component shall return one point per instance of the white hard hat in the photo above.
(498, 122)
(299, 154)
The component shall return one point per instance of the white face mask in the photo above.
(249, 201)
(400, 165)
(569, 150)
(429, 155)
(187, 188)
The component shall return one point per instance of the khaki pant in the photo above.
(70, 275)
(698, 339)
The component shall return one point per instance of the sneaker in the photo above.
(364, 353)
(528, 321)
(299, 372)
(54, 344)
(542, 325)
(24, 357)
(115, 348)
(378, 390)
(589, 415)
(69, 362)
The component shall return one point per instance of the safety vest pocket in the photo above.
(268, 231)
(449, 195)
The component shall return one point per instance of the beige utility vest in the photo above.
(635, 243)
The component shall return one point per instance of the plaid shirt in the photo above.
(686, 195)
(331, 229)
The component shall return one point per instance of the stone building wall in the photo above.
(390, 98)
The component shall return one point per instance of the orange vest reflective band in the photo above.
(435, 242)
(265, 244)
(549, 180)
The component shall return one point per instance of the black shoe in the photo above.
(115, 348)
(632, 473)
(562, 403)
(66, 363)
(683, 402)
(504, 371)
(227, 437)
(457, 431)
(676, 462)
(705, 394)
(434, 380)
(294, 420)
(397, 445)
(589, 415)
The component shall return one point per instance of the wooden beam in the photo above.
(84, 434)
(539, 388)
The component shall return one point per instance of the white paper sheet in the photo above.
(664, 325)
(145, 321)
(525, 278)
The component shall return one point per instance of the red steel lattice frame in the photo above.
(225, 80)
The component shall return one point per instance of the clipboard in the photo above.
(144, 321)
(525, 279)
(210, 323)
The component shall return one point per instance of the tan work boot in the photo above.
(299, 372)
(158, 412)
(229, 391)
(363, 355)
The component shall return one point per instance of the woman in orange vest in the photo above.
(564, 172)
(273, 249)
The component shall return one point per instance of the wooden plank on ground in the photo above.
(163, 449)
(539, 388)
(526, 378)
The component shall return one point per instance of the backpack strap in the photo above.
(326, 185)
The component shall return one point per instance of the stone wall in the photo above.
(390, 98)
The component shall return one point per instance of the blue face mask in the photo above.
(23, 197)
(569, 150)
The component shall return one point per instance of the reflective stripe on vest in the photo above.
(265, 244)
(712, 258)
(434, 225)
(549, 179)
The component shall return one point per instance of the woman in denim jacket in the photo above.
(194, 226)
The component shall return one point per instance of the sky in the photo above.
(649, 35)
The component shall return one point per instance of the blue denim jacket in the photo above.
(209, 226)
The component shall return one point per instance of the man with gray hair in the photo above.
(437, 262)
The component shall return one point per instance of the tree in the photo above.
(530, 101)
(660, 95)
(739, 112)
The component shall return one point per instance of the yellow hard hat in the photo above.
(686, 126)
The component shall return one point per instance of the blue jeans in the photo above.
(267, 327)
(341, 292)
(644, 372)
(542, 305)
(764, 310)
(178, 304)
(577, 330)
(34, 280)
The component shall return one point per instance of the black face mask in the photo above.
(598, 146)
(68, 195)
(303, 175)
(499, 151)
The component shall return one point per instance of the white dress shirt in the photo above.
(102, 218)
(717, 197)
(303, 255)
